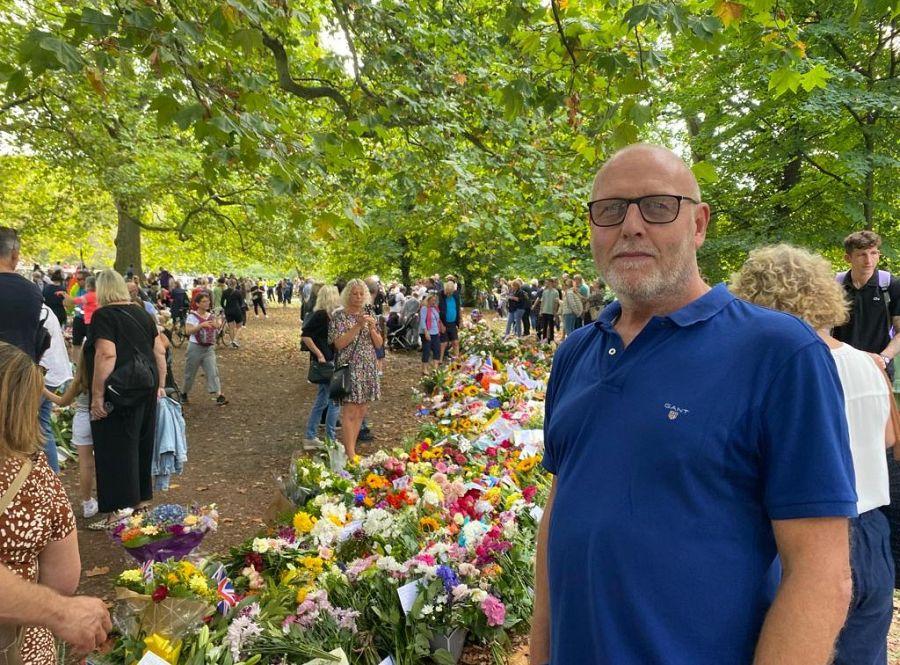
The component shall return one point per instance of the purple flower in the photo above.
(448, 577)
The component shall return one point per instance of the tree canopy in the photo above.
(450, 136)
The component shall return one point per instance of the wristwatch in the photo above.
(886, 360)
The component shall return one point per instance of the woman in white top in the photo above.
(201, 325)
(795, 281)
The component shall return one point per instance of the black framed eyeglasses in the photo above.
(655, 209)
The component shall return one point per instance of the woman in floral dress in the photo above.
(354, 333)
(38, 542)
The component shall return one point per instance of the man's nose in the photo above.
(634, 220)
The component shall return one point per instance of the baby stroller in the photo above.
(404, 335)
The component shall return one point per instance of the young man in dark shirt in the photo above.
(20, 299)
(874, 300)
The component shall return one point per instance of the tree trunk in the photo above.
(869, 194)
(405, 263)
(128, 242)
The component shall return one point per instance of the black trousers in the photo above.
(123, 454)
(257, 305)
(546, 327)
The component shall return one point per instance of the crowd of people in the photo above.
(724, 500)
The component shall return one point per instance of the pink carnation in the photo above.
(494, 610)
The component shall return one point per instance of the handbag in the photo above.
(11, 636)
(341, 384)
(320, 372)
(129, 383)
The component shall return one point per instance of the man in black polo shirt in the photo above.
(20, 299)
(874, 300)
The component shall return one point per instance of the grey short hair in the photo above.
(9, 241)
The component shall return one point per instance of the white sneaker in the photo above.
(90, 507)
(313, 443)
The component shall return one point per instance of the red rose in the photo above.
(160, 593)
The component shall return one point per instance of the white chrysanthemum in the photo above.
(378, 523)
(430, 498)
(334, 510)
(325, 532)
(389, 564)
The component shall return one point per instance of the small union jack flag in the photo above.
(147, 571)
(488, 363)
(226, 591)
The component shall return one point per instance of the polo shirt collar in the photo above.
(705, 307)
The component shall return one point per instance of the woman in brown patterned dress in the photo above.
(354, 333)
(39, 541)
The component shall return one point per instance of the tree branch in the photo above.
(822, 169)
(344, 22)
(287, 83)
(19, 102)
(554, 5)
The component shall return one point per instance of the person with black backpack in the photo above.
(874, 297)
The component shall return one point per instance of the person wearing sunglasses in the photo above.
(698, 446)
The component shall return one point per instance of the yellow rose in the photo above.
(190, 520)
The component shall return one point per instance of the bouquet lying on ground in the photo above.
(167, 531)
(161, 603)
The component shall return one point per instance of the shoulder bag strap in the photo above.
(133, 318)
(16, 485)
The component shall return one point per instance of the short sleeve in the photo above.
(315, 324)
(333, 327)
(102, 325)
(192, 319)
(805, 446)
(61, 519)
(551, 455)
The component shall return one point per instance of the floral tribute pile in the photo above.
(395, 558)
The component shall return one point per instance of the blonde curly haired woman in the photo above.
(798, 282)
(354, 333)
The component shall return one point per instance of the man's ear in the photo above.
(701, 223)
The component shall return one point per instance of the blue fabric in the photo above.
(671, 459)
(315, 415)
(50, 439)
(514, 321)
(452, 313)
(863, 640)
(170, 443)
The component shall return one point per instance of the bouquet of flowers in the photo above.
(167, 531)
(161, 603)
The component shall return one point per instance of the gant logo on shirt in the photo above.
(675, 411)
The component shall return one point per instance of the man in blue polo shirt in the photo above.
(698, 445)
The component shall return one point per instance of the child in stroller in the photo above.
(403, 328)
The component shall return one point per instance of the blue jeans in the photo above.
(50, 445)
(322, 402)
(863, 641)
(570, 321)
(514, 321)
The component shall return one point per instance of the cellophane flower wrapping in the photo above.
(167, 531)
